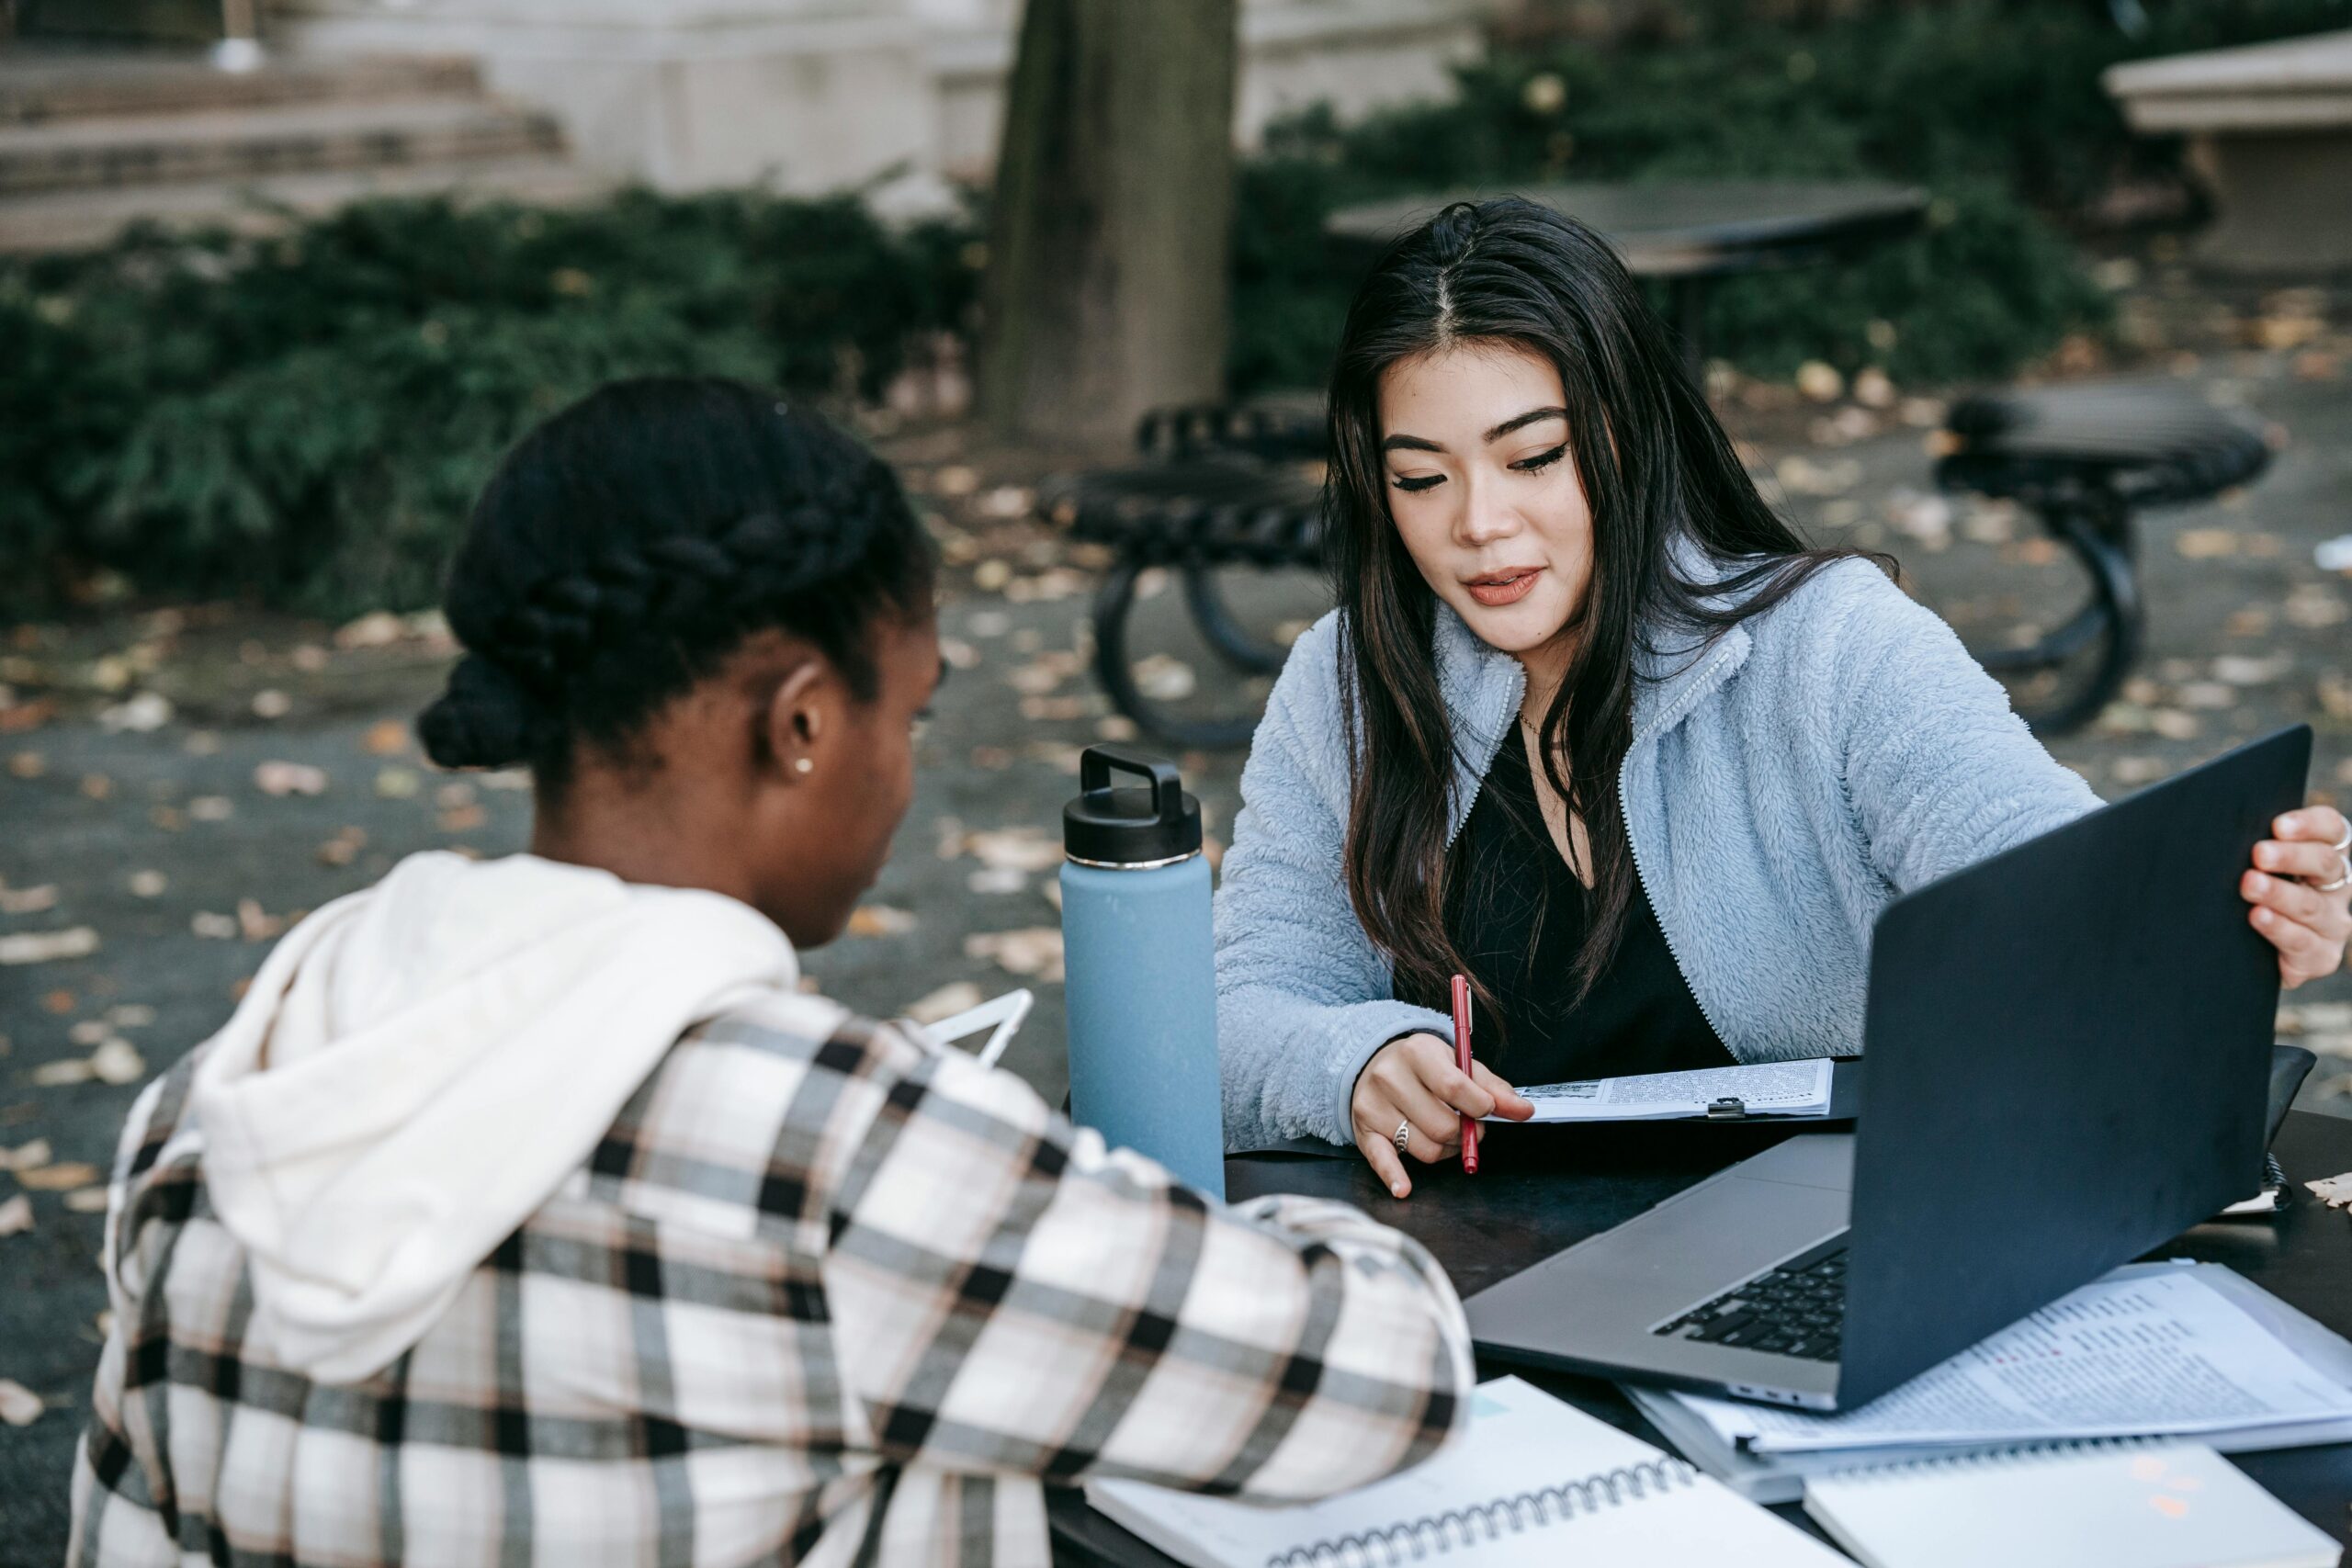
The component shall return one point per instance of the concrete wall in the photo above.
(815, 95)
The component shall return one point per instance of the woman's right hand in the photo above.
(1412, 1079)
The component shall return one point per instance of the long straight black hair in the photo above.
(1656, 470)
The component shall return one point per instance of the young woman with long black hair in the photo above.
(527, 1211)
(1594, 727)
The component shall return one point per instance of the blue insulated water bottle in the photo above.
(1141, 982)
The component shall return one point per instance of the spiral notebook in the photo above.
(2159, 1505)
(1533, 1482)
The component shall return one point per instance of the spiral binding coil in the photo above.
(1411, 1539)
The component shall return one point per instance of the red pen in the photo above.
(1462, 1060)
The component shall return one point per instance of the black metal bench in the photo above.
(1228, 486)
(2085, 460)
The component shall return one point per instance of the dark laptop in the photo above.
(2067, 1053)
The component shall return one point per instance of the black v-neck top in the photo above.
(1518, 915)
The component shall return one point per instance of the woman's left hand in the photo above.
(2306, 920)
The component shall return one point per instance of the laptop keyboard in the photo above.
(1798, 1309)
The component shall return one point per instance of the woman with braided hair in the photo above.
(528, 1210)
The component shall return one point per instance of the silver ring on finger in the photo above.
(2343, 878)
(2342, 846)
(1404, 1134)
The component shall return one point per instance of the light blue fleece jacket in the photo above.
(1783, 785)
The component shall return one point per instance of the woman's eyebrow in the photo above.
(1518, 421)
(1522, 421)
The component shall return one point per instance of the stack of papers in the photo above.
(1765, 1088)
(2151, 1350)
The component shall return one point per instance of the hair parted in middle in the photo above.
(1656, 470)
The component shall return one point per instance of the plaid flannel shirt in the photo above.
(824, 1293)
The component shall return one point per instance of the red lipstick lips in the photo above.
(1500, 588)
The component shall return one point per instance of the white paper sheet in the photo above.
(1773, 1088)
(2158, 1354)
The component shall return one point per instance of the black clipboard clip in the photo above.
(1730, 1108)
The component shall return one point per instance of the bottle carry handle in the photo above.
(1096, 763)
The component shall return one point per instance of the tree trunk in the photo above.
(1107, 283)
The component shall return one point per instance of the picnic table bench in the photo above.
(1239, 487)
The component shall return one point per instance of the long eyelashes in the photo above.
(1535, 464)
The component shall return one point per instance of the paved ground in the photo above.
(166, 846)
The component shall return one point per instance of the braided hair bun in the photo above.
(632, 541)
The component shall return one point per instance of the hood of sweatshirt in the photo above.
(419, 1067)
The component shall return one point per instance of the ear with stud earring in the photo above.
(803, 765)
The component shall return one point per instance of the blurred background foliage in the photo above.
(305, 420)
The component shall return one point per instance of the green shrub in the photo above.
(306, 419)
(1994, 105)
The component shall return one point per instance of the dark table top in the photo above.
(1687, 228)
(1541, 1188)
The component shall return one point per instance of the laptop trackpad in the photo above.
(1693, 1246)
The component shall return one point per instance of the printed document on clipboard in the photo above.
(1793, 1089)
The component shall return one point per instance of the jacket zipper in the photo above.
(1642, 876)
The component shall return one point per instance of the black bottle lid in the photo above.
(1129, 826)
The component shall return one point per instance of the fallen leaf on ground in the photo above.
(2240, 671)
(378, 628)
(213, 927)
(397, 784)
(86, 1201)
(58, 1177)
(16, 1216)
(46, 947)
(1034, 950)
(462, 819)
(2205, 544)
(290, 778)
(1165, 679)
(26, 1158)
(59, 1001)
(2208, 694)
(996, 879)
(58, 1074)
(272, 703)
(253, 924)
(147, 711)
(957, 996)
(97, 786)
(1014, 848)
(27, 900)
(2173, 724)
(28, 765)
(211, 808)
(88, 1032)
(19, 1406)
(344, 848)
(2336, 1192)
(118, 1061)
(385, 738)
(148, 883)
(2312, 605)
(879, 920)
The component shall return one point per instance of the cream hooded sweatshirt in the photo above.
(418, 1067)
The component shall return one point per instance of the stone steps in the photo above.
(79, 220)
(36, 86)
(246, 143)
(91, 144)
